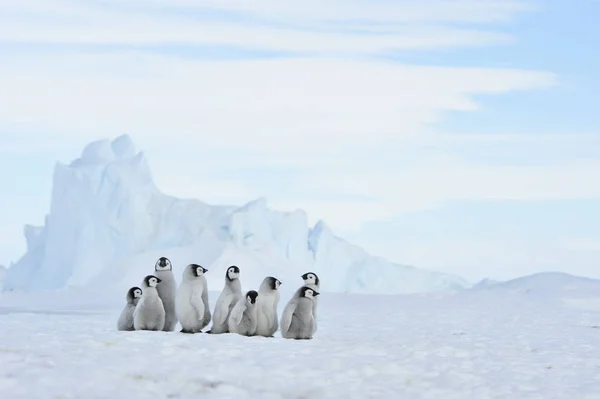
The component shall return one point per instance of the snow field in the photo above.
(475, 345)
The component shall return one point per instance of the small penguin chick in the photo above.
(191, 305)
(311, 278)
(125, 322)
(149, 313)
(242, 319)
(166, 291)
(230, 295)
(267, 302)
(297, 321)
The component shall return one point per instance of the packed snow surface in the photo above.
(107, 217)
(524, 339)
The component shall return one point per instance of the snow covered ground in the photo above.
(514, 340)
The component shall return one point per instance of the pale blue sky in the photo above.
(458, 136)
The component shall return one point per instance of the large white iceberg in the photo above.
(108, 222)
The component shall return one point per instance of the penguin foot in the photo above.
(187, 331)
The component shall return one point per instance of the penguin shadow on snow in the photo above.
(159, 304)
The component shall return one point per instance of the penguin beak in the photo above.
(316, 293)
(158, 280)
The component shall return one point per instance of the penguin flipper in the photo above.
(222, 310)
(237, 312)
(286, 315)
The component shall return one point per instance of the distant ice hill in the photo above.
(546, 284)
(550, 289)
(108, 223)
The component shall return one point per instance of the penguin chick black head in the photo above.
(310, 278)
(232, 273)
(199, 269)
(269, 284)
(251, 296)
(273, 283)
(193, 271)
(163, 264)
(307, 292)
(151, 281)
(133, 293)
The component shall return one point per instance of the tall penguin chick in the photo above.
(125, 322)
(297, 321)
(268, 299)
(191, 304)
(163, 269)
(231, 294)
(242, 319)
(149, 313)
(312, 280)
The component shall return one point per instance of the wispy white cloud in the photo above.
(413, 25)
(328, 122)
(424, 11)
(282, 104)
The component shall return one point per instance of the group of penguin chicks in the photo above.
(160, 304)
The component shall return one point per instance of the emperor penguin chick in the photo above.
(191, 305)
(166, 290)
(125, 322)
(149, 313)
(297, 321)
(267, 301)
(312, 280)
(231, 294)
(242, 319)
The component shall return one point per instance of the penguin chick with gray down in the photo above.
(191, 303)
(163, 269)
(149, 313)
(231, 294)
(242, 319)
(125, 322)
(297, 321)
(312, 280)
(267, 301)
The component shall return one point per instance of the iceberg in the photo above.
(108, 220)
